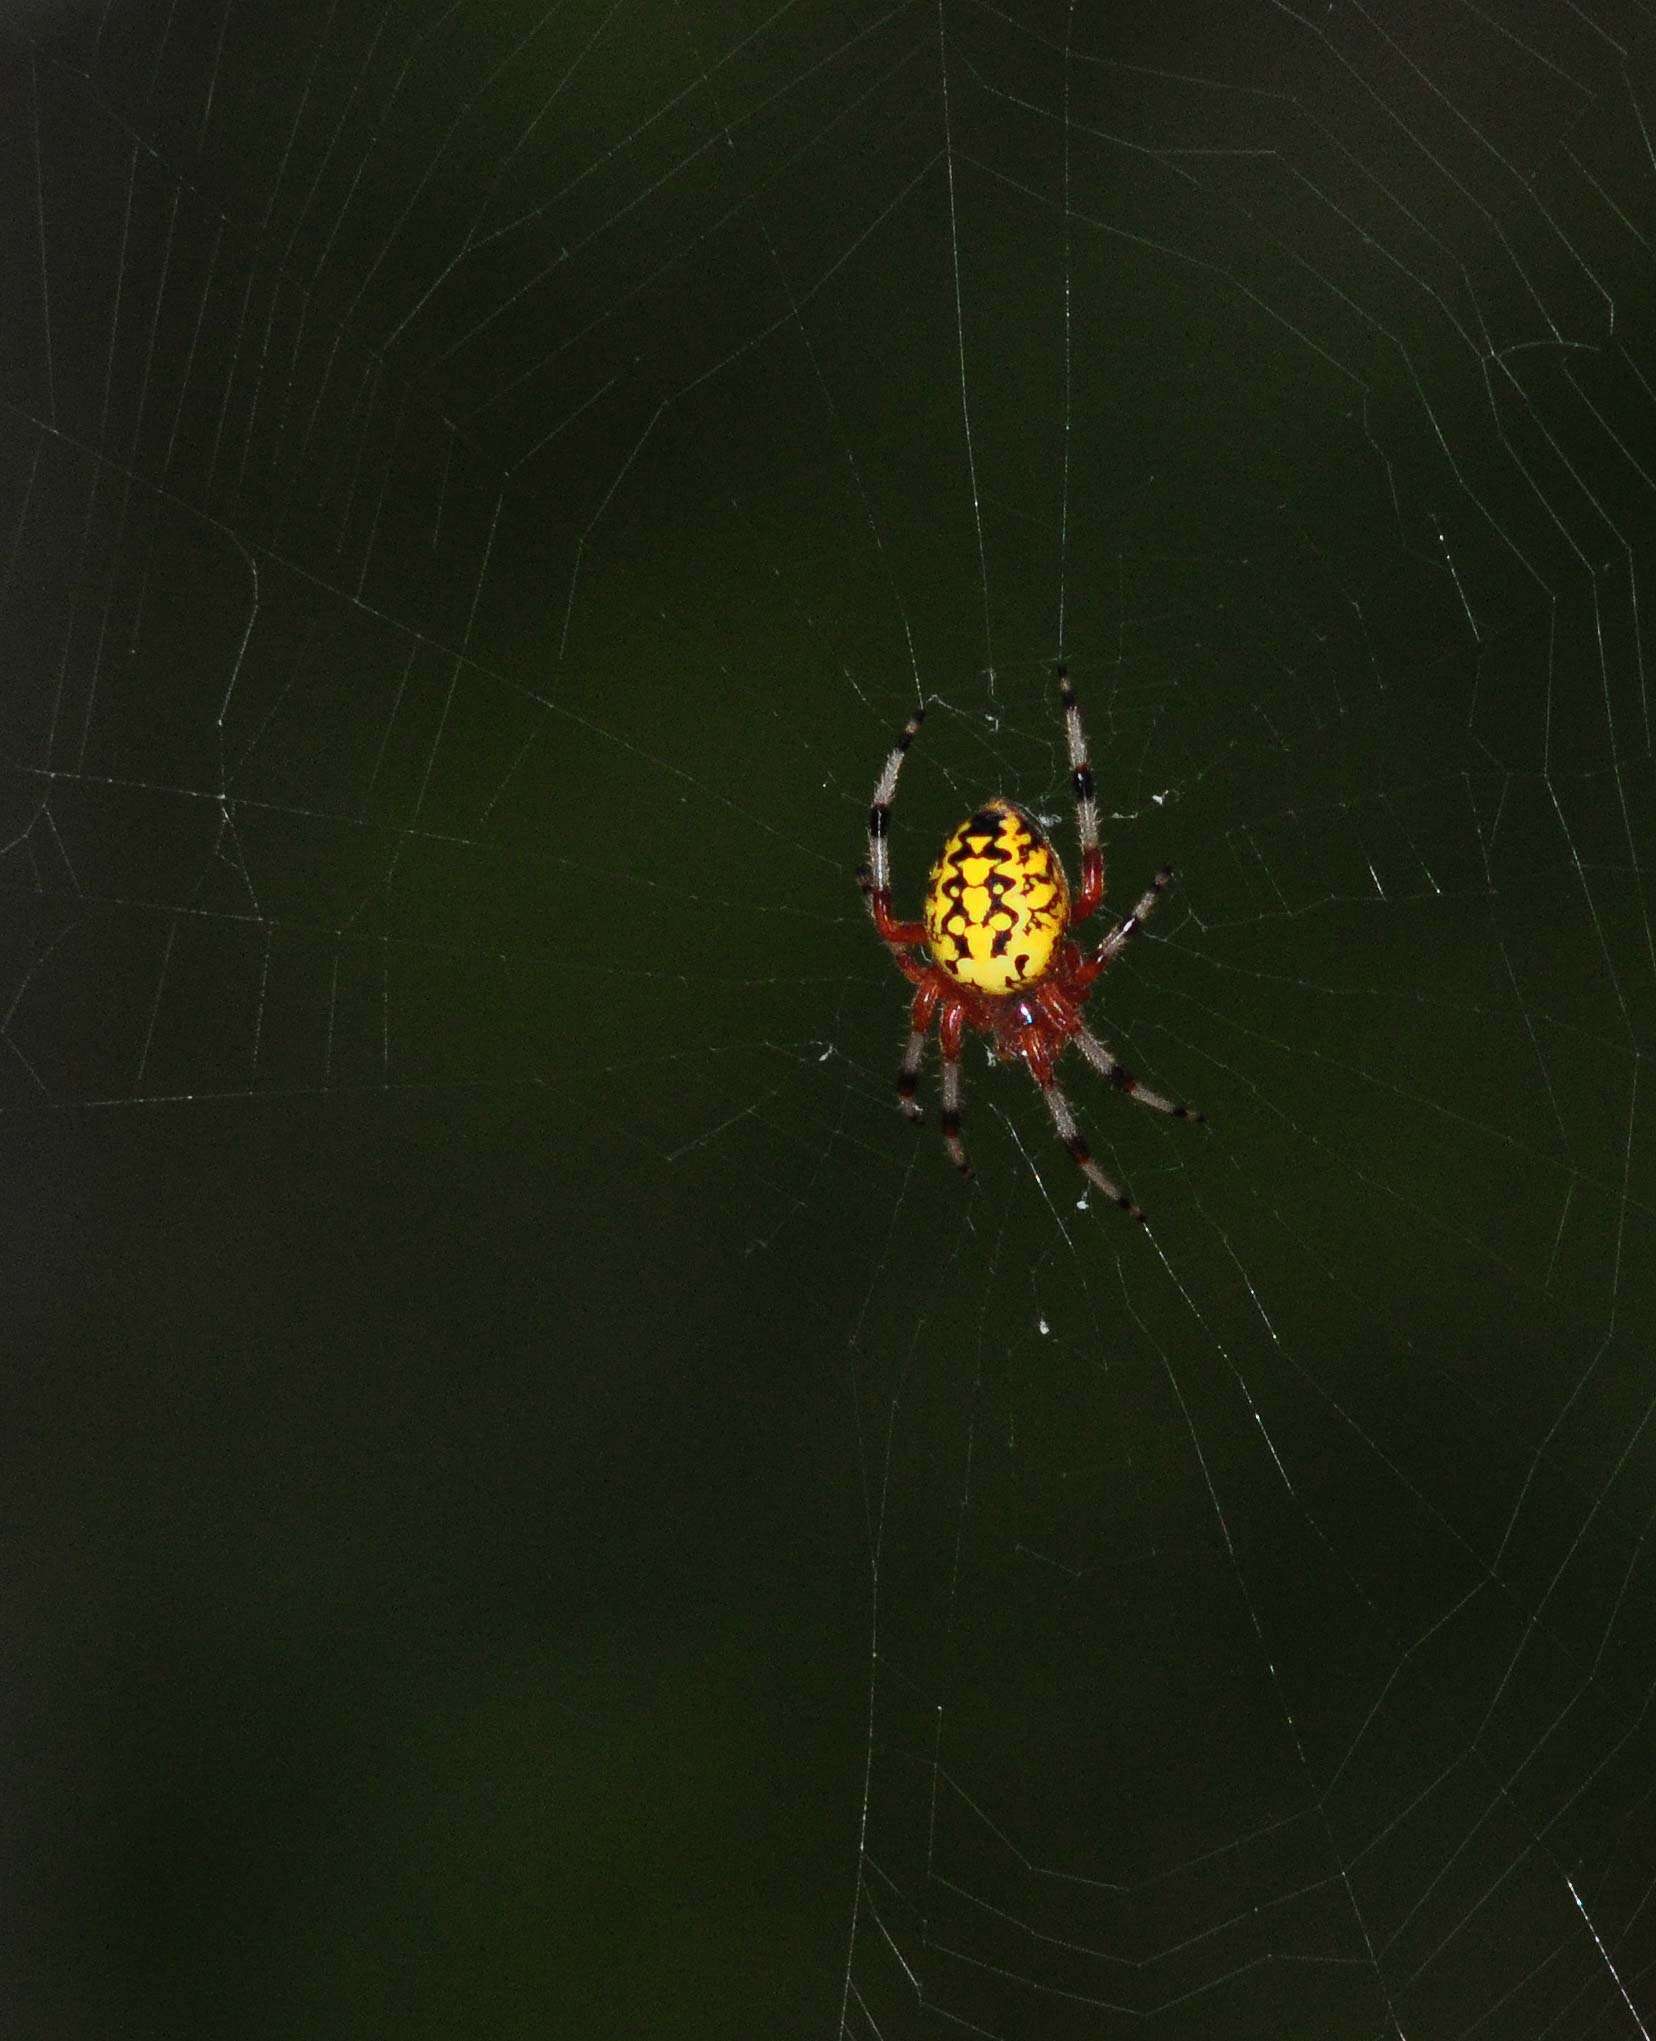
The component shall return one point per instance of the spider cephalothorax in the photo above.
(998, 917)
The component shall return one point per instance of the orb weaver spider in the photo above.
(996, 921)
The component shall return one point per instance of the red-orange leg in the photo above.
(1091, 890)
(900, 934)
(1037, 1054)
(1056, 1008)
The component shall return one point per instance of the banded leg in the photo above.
(921, 1015)
(1124, 1080)
(878, 887)
(950, 1034)
(1091, 889)
(1070, 1134)
(1124, 931)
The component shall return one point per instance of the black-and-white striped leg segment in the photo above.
(908, 1076)
(1123, 1079)
(951, 1038)
(1124, 931)
(1070, 1134)
(950, 1116)
(885, 791)
(1086, 804)
(1081, 779)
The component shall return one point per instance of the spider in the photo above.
(997, 918)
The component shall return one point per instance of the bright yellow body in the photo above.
(997, 903)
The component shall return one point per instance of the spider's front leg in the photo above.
(898, 936)
(1091, 889)
(875, 879)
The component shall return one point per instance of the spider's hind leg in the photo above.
(1070, 1134)
(1124, 1080)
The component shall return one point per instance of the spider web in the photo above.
(481, 488)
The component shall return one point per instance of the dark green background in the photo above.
(534, 1503)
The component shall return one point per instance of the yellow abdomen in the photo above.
(998, 903)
